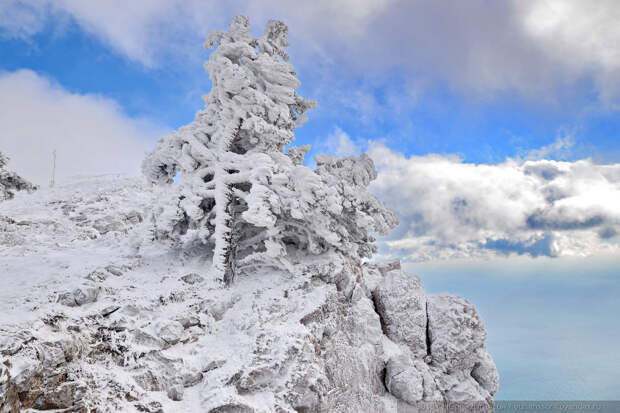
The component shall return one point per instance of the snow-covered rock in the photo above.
(404, 380)
(455, 331)
(78, 297)
(457, 337)
(401, 303)
(153, 332)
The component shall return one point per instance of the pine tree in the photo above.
(229, 185)
(251, 111)
(10, 181)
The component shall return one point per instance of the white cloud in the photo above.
(145, 31)
(536, 48)
(451, 209)
(559, 149)
(22, 19)
(90, 134)
(581, 36)
(339, 143)
(581, 33)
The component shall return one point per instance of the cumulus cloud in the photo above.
(452, 209)
(141, 30)
(535, 48)
(90, 134)
(559, 149)
(340, 143)
(20, 19)
(582, 36)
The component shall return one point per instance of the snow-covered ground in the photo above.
(74, 268)
(96, 316)
(51, 239)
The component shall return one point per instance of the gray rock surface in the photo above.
(457, 346)
(456, 331)
(404, 380)
(485, 372)
(401, 303)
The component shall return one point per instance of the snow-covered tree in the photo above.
(229, 184)
(362, 213)
(223, 155)
(10, 181)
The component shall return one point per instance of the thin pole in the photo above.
(53, 169)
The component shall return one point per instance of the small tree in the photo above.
(10, 181)
(237, 190)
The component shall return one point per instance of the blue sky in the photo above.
(494, 125)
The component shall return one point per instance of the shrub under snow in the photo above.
(10, 181)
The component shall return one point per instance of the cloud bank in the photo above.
(450, 209)
(533, 48)
(90, 134)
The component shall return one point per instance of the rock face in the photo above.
(401, 302)
(376, 344)
(365, 350)
(430, 348)
(152, 332)
(457, 336)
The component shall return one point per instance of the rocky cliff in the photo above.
(92, 323)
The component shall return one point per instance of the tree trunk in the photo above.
(230, 256)
(225, 251)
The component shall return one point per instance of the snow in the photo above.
(46, 252)
(58, 233)
(152, 329)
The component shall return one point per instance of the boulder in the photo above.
(170, 331)
(400, 301)
(463, 369)
(78, 297)
(403, 380)
(456, 332)
(485, 372)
